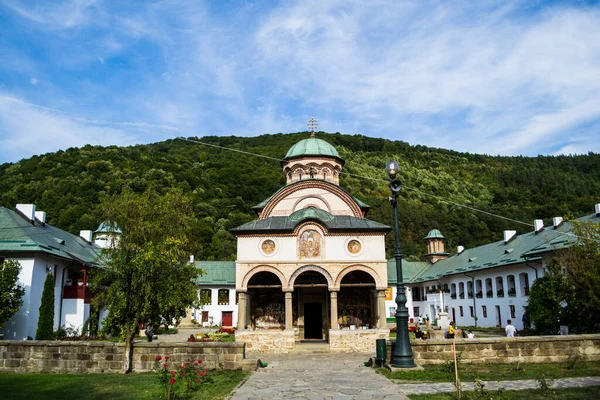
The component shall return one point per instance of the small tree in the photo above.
(45, 328)
(11, 292)
(148, 276)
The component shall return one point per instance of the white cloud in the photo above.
(485, 77)
(33, 81)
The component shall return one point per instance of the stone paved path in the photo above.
(430, 388)
(344, 376)
(317, 376)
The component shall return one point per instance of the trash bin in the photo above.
(381, 350)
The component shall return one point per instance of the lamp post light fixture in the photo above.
(403, 355)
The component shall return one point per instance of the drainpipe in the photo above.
(474, 297)
(533, 268)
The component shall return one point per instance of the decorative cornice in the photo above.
(311, 184)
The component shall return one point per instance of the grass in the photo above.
(495, 372)
(108, 386)
(591, 393)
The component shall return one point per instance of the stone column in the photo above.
(381, 322)
(289, 322)
(242, 311)
(334, 309)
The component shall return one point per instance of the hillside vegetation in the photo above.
(69, 185)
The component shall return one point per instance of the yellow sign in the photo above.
(388, 294)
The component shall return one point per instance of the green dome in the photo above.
(434, 234)
(312, 147)
(311, 213)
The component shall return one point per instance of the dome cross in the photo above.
(312, 126)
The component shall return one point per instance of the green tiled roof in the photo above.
(409, 270)
(18, 234)
(560, 241)
(332, 222)
(216, 273)
(312, 147)
(434, 234)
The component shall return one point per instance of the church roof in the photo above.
(312, 147)
(332, 222)
(108, 227)
(434, 234)
(19, 234)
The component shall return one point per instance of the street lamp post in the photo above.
(403, 356)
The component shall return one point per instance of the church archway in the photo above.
(267, 302)
(357, 301)
(311, 302)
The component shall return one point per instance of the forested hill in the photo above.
(68, 185)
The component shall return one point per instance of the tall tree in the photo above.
(45, 328)
(148, 276)
(11, 292)
(570, 293)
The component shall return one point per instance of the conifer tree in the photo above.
(11, 292)
(45, 328)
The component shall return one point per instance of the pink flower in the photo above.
(158, 358)
(165, 365)
(166, 358)
(199, 361)
(181, 366)
(198, 380)
(172, 381)
(204, 373)
(195, 362)
(182, 374)
(173, 373)
(186, 364)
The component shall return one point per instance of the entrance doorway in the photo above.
(313, 321)
(498, 316)
(227, 318)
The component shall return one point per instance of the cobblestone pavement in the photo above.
(430, 388)
(344, 376)
(317, 376)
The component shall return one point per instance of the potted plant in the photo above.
(512, 292)
(500, 293)
(462, 295)
(479, 295)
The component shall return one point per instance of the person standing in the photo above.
(526, 322)
(510, 330)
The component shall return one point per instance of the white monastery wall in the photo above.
(319, 197)
(215, 310)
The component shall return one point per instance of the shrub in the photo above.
(45, 328)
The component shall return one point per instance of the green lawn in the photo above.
(108, 386)
(590, 393)
(495, 372)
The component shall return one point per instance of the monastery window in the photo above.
(512, 311)
(478, 289)
(416, 291)
(524, 282)
(488, 288)
(471, 311)
(206, 296)
(453, 290)
(204, 316)
(470, 289)
(460, 310)
(510, 280)
(223, 297)
(499, 287)
(461, 290)
(484, 311)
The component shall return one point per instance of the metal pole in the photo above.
(403, 355)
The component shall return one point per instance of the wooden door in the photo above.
(227, 318)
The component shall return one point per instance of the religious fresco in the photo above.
(268, 246)
(354, 308)
(309, 244)
(269, 310)
(389, 294)
(354, 246)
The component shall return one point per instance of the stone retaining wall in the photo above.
(359, 341)
(106, 357)
(530, 349)
(266, 341)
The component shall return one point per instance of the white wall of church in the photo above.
(335, 249)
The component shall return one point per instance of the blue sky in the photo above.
(494, 77)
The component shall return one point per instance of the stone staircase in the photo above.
(311, 347)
